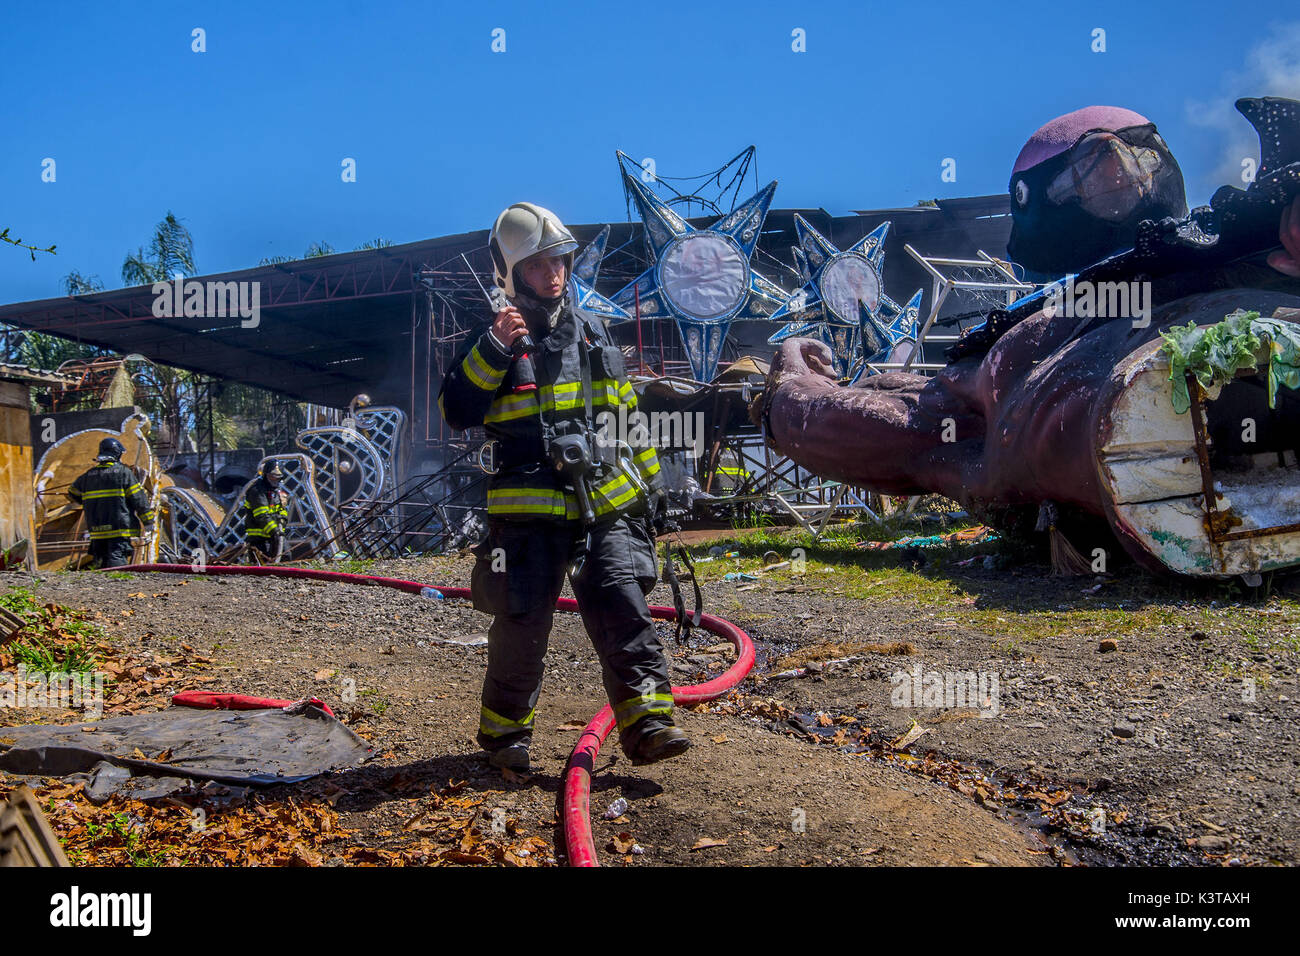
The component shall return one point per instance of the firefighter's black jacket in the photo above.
(477, 390)
(110, 495)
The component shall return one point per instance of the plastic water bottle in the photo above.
(433, 593)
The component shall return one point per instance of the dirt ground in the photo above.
(1179, 746)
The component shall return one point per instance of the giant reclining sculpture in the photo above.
(1036, 407)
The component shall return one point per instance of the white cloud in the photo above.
(1272, 68)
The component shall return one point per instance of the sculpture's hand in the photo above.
(1287, 259)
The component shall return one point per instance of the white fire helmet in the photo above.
(524, 230)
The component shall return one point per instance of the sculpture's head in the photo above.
(1081, 185)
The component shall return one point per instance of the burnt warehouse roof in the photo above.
(328, 328)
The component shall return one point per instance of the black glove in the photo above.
(659, 516)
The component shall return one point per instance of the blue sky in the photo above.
(245, 142)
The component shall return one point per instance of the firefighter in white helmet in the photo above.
(564, 497)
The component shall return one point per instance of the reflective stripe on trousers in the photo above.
(628, 712)
(492, 724)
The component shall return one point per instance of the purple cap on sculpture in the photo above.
(1064, 131)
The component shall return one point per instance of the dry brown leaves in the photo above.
(132, 683)
(449, 830)
(704, 843)
(460, 828)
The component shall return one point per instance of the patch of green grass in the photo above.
(36, 657)
(376, 702)
(345, 565)
(22, 601)
(119, 830)
(1015, 608)
(120, 575)
(1240, 670)
(53, 639)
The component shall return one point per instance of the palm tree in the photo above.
(40, 351)
(77, 284)
(171, 251)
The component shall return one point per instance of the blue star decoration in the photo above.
(843, 303)
(701, 278)
(582, 283)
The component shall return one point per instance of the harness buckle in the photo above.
(489, 450)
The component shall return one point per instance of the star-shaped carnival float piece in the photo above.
(701, 278)
(582, 284)
(843, 304)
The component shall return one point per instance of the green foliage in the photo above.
(53, 639)
(5, 237)
(37, 657)
(346, 565)
(170, 251)
(21, 601)
(317, 249)
(375, 244)
(74, 283)
(750, 516)
(1214, 355)
(120, 830)
(48, 352)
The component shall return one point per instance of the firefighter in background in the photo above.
(266, 515)
(563, 498)
(113, 500)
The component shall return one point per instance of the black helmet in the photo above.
(272, 470)
(111, 449)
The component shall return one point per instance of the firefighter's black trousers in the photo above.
(518, 576)
(112, 552)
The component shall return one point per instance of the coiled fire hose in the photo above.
(576, 800)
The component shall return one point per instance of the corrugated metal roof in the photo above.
(336, 325)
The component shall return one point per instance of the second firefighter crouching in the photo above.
(537, 413)
(266, 516)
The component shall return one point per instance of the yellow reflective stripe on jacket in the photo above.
(568, 395)
(613, 494)
(532, 501)
(111, 533)
(563, 395)
(647, 462)
(509, 407)
(478, 371)
(104, 493)
(628, 712)
(492, 724)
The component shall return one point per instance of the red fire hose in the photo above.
(577, 778)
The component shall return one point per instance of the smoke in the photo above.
(1272, 68)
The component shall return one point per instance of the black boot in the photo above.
(658, 743)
